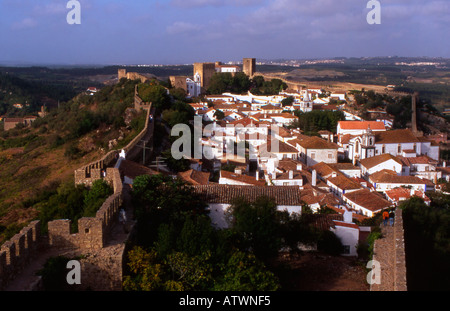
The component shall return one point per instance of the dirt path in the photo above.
(318, 272)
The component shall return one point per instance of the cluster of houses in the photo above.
(357, 172)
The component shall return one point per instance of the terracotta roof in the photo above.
(376, 160)
(395, 137)
(285, 175)
(289, 165)
(271, 107)
(242, 178)
(323, 169)
(283, 195)
(344, 183)
(408, 161)
(315, 142)
(368, 199)
(322, 221)
(361, 125)
(132, 169)
(195, 177)
(346, 224)
(13, 120)
(282, 147)
(386, 176)
(402, 193)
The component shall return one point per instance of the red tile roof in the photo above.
(242, 178)
(390, 177)
(376, 160)
(368, 199)
(315, 142)
(361, 125)
(395, 137)
(283, 195)
(195, 177)
(344, 183)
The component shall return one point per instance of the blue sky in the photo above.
(187, 31)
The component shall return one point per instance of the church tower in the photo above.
(368, 144)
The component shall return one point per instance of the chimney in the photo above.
(274, 175)
(444, 164)
(291, 174)
(257, 175)
(314, 178)
(348, 216)
(238, 171)
(299, 167)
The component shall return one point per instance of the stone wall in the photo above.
(389, 251)
(92, 231)
(102, 262)
(16, 253)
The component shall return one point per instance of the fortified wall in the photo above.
(389, 251)
(102, 262)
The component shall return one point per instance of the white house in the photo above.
(315, 149)
(348, 232)
(366, 202)
(220, 197)
(396, 141)
(381, 162)
(290, 178)
(386, 180)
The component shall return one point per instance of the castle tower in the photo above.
(249, 66)
(205, 71)
(122, 73)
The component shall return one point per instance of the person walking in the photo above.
(391, 218)
(123, 219)
(385, 217)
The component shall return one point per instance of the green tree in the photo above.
(258, 225)
(244, 272)
(94, 198)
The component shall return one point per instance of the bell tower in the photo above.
(368, 144)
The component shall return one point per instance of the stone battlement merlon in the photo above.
(18, 251)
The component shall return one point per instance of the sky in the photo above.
(186, 31)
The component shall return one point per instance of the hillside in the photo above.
(36, 160)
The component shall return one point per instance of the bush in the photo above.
(329, 243)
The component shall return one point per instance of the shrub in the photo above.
(329, 243)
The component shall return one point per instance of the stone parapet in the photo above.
(18, 251)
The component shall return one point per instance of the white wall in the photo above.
(387, 165)
(348, 236)
(218, 210)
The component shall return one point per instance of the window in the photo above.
(313, 155)
(330, 156)
(346, 249)
(399, 148)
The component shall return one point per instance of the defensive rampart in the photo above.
(101, 260)
(389, 251)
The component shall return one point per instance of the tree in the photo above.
(219, 114)
(258, 225)
(244, 272)
(94, 199)
(155, 93)
(287, 101)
